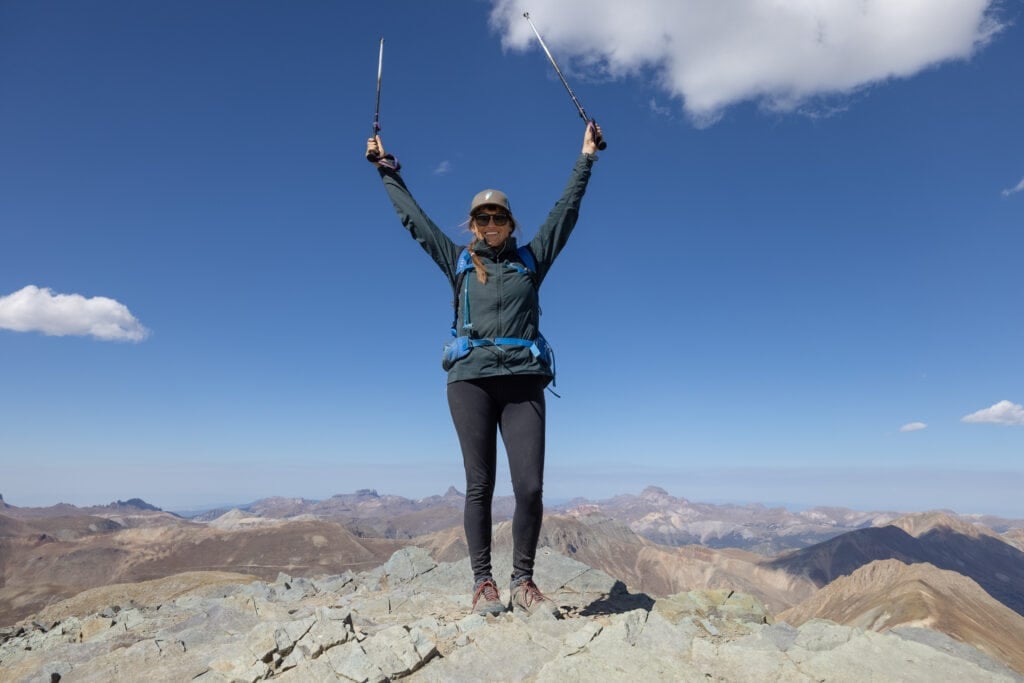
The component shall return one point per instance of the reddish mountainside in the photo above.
(942, 541)
(46, 559)
(658, 570)
(886, 594)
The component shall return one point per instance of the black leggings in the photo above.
(515, 405)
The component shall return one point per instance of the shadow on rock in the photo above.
(618, 601)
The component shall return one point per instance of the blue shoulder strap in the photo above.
(524, 253)
(526, 256)
(464, 263)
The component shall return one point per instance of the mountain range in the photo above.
(961, 576)
(408, 620)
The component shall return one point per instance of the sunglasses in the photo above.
(484, 219)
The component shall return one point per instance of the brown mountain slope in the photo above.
(658, 570)
(920, 523)
(643, 566)
(981, 555)
(888, 593)
(1015, 537)
(41, 568)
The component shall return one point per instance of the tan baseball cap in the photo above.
(489, 198)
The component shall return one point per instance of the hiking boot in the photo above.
(486, 599)
(528, 600)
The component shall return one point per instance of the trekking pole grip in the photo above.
(598, 137)
(372, 156)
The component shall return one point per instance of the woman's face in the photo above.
(492, 224)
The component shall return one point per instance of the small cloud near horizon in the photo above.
(35, 309)
(1004, 413)
(1019, 187)
(443, 168)
(913, 427)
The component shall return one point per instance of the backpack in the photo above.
(460, 346)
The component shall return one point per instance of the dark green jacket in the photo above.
(507, 305)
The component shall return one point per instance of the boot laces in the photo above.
(488, 590)
(531, 593)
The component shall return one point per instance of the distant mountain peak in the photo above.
(453, 492)
(136, 503)
(654, 492)
(919, 523)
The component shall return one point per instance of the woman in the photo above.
(498, 363)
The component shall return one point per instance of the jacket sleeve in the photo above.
(555, 231)
(433, 240)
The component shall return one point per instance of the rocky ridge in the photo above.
(368, 513)
(935, 539)
(409, 619)
(887, 594)
(669, 520)
(653, 514)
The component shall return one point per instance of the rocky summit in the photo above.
(410, 619)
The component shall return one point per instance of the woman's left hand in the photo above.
(590, 137)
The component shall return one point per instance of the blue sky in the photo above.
(796, 277)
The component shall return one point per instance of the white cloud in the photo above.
(781, 54)
(32, 309)
(1003, 413)
(659, 109)
(443, 168)
(1014, 190)
(913, 427)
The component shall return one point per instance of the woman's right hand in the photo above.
(374, 149)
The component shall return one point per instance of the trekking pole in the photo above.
(579, 107)
(374, 156)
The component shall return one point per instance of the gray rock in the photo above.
(351, 661)
(398, 652)
(943, 643)
(314, 671)
(407, 564)
(471, 623)
(885, 657)
(778, 638)
(321, 637)
(332, 584)
(577, 640)
(818, 635)
(619, 665)
(725, 660)
(410, 620)
(128, 619)
(289, 633)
